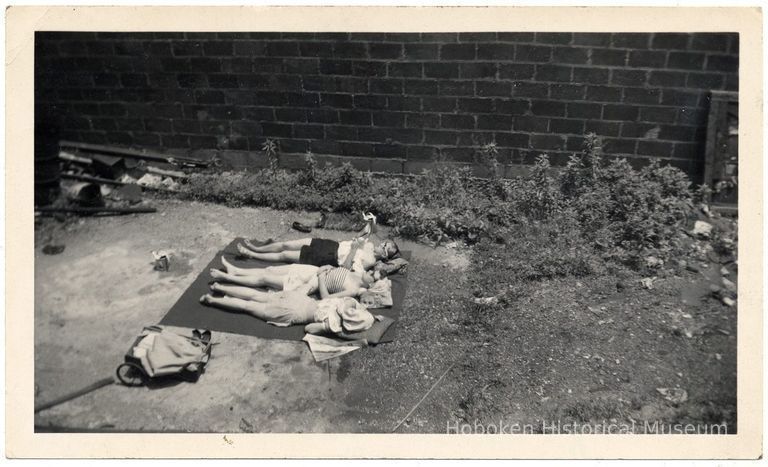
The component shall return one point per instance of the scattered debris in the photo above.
(729, 301)
(162, 260)
(673, 395)
(653, 262)
(647, 282)
(702, 229)
(85, 194)
(53, 249)
(724, 271)
(486, 300)
(729, 286)
(150, 180)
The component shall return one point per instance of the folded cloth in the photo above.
(378, 295)
(371, 335)
(325, 348)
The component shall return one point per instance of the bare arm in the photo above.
(347, 264)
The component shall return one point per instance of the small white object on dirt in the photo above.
(729, 301)
(702, 229)
(718, 356)
(162, 260)
(647, 282)
(653, 262)
(730, 286)
(724, 271)
(150, 180)
(486, 300)
(674, 395)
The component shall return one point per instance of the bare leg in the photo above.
(277, 247)
(236, 271)
(238, 305)
(283, 257)
(237, 291)
(264, 279)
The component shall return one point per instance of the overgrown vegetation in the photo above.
(609, 208)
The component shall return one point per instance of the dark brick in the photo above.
(688, 151)
(100, 124)
(731, 83)
(474, 105)
(526, 89)
(733, 44)
(132, 48)
(355, 117)
(389, 150)
(192, 80)
(670, 41)
(686, 60)
(369, 69)
(174, 141)
(240, 65)
(654, 148)
(301, 65)
(218, 127)
(493, 88)
(112, 109)
(348, 85)
(512, 140)
(405, 103)
(283, 49)
(620, 112)
(386, 86)
(532, 53)
(422, 120)
(619, 146)
(440, 137)
(548, 108)
(478, 70)
(204, 64)
(322, 116)
(715, 42)
(636, 130)
(573, 55)
(336, 67)
(567, 91)
(516, 71)
(316, 49)
(584, 110)
(512, 106)
(553, 73)
(391, 135)
(628, 40)
(641, 95)
(727, 63)
(218, 48)
(667, 78)
(183, 48)
(439, 104)
(246, 128)
(531, 124)
(350, 50)
(369, 102)
(646, 59)
(324, 146)
(332, 36)
(575, 127)
(105, 79)
(290, 115)
(308, 131)
(457, 88)
(604, 93)
(385, 50)
(628, 77)
(158, 125)
(336, 100)
(678, 133)
(270, 98)
(547, 142)
(457, 52)
(219, 81)
(279, 130)
(602, 127)
(679, 98)
(340, 133)
(422, 153)
(554, 37)
(389, 119)
(146, 139)
(591, 75)
(494, 122)
(592, 38)
(209, 97)
(658, 114)
(477, 36)
(495, 52)
(441, 70)
(515, 36)
(574, 143)
(439, 37)
(705, 80)
(457, 121)
(356, 149)
(421, 51)
(421, 87)
(405, 69)
(611, 57)
(224, 112)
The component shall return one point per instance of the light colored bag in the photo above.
(162, 352)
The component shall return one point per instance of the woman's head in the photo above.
(368, 299)
(386, 250)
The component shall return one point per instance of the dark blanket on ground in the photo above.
(189, 312)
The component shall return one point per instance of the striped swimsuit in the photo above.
(335, 278)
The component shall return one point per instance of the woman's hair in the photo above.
(397, 249)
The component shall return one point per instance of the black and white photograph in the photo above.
(454, 232)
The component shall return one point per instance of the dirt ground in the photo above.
(590, 349)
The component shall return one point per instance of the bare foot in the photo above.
(243, 250)
(216, 287)
(204, 299)
(231, 269)
(216, 274)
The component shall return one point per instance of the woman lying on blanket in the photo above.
(339, 282)
(335, 314)
(357, 255)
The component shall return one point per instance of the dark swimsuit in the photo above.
(320, 252)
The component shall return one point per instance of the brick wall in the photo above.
(388, 102)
